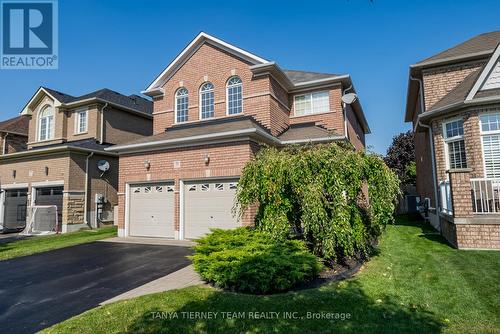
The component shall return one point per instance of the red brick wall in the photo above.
(354, 129)
(225, 160)
(485, 236)
(333, 120)
(209, 63)
(440, 81)
(263, 97)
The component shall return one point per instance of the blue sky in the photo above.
(123, 45)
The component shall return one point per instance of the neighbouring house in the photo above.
(14, 134)
(215, 105)
(454, 104)
(57, 163)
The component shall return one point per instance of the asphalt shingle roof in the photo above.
(481, 43)
(303, 76)
(18, 125)
(133, 101)
(90, 144)
(305, 131)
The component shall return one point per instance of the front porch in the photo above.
(470, 210)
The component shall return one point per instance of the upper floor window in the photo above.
(312, 103)
(207, 100)
(490, 138)
(46, 123)
(455, 144)
(81, 121)
(181, 105)
(234, 96)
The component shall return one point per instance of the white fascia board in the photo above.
(175, 141)
(97, 99)
(201, 38)
(27, 111)
(53, 150)
(484, 74)
(313, 140)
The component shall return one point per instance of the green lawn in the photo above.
(416, 284)
(45, 243)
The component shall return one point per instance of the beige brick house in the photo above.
(64, 139)
(454, 104)
(215, 105)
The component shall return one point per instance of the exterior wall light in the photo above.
(14, 174)
(147, 164)
(207, 159)
(46, 171)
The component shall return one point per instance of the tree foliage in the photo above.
(319, 194)
(400, 157)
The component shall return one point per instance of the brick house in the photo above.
(454, 104)
(64, 139)
(215, 105)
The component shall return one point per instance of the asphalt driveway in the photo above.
(40, 290)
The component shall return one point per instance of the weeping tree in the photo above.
(336, 199)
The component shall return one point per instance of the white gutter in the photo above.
(220, 135)
(53, 150)
(4, 148)
(85, 208)
(431, 142)
(101, 139)
(344, 107)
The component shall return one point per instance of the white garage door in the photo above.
(208, 204)
(152, 210)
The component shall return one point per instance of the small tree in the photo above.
(401, 158)
(319, 194)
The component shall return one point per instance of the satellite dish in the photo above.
(103, 165)
(349, 98)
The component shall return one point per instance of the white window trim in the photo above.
(175, 105)
(450, 140)
(486, 133)
(200, 101)
(77, 113)
(39, 125)
(227, 95)
(312, 103)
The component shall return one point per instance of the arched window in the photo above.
(181, 105)
(234, 96)
(207, 100)
(46, 123)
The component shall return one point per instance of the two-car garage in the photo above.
(203, 205)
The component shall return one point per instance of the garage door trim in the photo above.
(128, 186)
(182, 183)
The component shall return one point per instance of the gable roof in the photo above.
(192, 47)
(17, 125)
(457, 95)
(485, 73)
(480, 45)
(132, 103)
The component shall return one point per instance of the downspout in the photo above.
(85, 213)
(101, 137)
(431, 143)
(344, 107)
(4, 148)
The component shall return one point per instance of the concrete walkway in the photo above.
(180, 279)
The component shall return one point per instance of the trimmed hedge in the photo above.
(246, 260)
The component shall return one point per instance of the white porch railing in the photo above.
(445, 197)
(485, 196)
